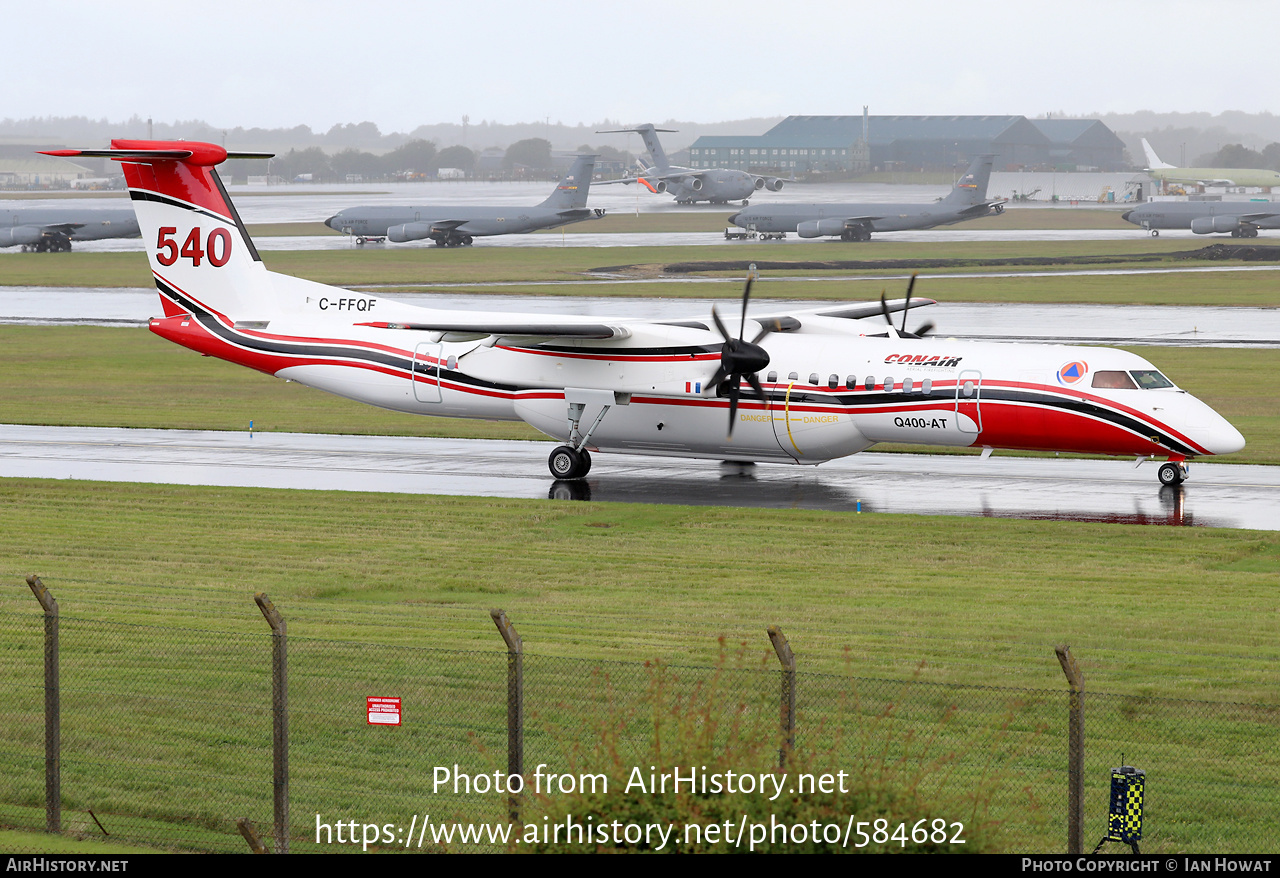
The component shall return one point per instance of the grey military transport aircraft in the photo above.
(856, 222)
(1241, 218)
(716, 185)
(452, 226)
(52, 229)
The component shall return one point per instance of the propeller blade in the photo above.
(884, 309)
(925, 330)
(746, 296)
(720, 375)
(720, 326)
(906, 306)
(754, 381)
(733, 404)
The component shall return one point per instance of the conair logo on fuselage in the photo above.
(923, 360)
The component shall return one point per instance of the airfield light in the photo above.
(1124, 816)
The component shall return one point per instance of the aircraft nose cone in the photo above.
(1125, 216)
(1226, 439)
(334, 222)
(734, 219)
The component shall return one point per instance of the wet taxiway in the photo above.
(1216, 495)
(1085, 324)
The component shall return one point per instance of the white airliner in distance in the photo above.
(809, 385)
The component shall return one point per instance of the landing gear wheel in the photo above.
(746, 203)
(1155, 233)
(567, 462)
(1171, 473)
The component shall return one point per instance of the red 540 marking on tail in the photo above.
(218, 254)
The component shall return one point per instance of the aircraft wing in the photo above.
(851, 311)
(1258, 217)
(62, 227)
(520, 328)
(1219, 182)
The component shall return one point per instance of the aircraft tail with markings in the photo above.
(571, 192)
(204, 263)
(972, 187)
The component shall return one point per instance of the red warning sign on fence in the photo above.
(383, 711)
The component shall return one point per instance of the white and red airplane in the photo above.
(809, 387)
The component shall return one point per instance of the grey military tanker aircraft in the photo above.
(453, 226)
(717, 185)
(856, 222)
(1241, 219)
(46, 230)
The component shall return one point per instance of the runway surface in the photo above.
(1105, 324)
(1216, 495)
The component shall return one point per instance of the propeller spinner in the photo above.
(740, 359)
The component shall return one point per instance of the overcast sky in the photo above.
(402, 64)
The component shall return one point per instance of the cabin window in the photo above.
(1113, 381)
(926, 386)
(906, 385)
(870, 383)
(888, 385)
(851, 383)
(833, 381)
(813, 378)
(772, 378)
(968, 390)
(793, 376)
(1150, 379)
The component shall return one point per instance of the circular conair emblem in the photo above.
(1072, 372)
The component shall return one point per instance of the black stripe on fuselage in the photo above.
(307, 349)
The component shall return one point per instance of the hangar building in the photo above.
(837, 144)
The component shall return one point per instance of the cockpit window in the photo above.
(1150, 379)
(1113, 381)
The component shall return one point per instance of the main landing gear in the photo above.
(567, 462)
(573, 461)
(1173, 472)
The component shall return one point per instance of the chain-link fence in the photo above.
(166, 739)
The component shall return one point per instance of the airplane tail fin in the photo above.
(972, 187)
(571, 192)
(649, 135)
(201, 255)
(1153, 160)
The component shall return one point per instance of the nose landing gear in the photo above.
(1173, 472)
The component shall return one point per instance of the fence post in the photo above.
(1075, 750)
(515, 705)
(788, 712)
(52, 709)
(280, 719)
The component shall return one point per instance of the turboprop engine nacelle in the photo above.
(19, 235)
(409, 232)
(819, 228)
